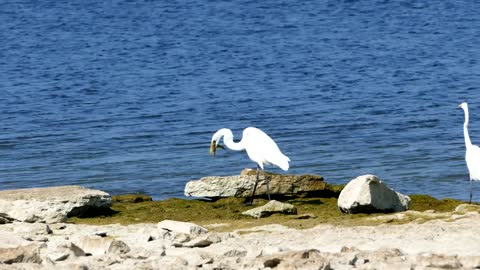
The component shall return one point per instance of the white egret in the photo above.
(259, 147)
(472, 155)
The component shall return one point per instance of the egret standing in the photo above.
(472, 155)
(259, 146)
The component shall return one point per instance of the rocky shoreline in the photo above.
(451, 243)
(36, 232)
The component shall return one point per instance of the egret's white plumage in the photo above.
(259, 147)
(472, 154)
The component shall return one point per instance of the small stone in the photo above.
(118, 247)
(306, 216)
(272, 263)
(181, 227)
(48, 229)
(203, 241)
(101, 234)
(270, 208)
(57, 256)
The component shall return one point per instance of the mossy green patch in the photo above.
(227, 212)
(424, 202)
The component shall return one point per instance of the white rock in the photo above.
(181, 227)
(50, 205)
(366, 194)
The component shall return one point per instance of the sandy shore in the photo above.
(447, 243)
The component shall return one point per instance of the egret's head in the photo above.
(215, 140)
(463, 105)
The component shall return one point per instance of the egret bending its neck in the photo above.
(464, 106)
(227, 139)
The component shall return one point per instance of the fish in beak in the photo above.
(213, 148)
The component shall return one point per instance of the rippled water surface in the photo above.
(124, 96)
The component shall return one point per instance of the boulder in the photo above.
(242, 185)
(270, 208)
(368, 194)
(50, 205)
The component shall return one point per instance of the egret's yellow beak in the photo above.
(213, 148)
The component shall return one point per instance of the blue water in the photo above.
(124, 96)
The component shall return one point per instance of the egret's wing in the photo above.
(473, 161)
(263, 149)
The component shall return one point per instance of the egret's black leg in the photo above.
(266, 183)
(255, 186)
(470, 201)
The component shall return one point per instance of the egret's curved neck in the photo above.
(228, 140)
(465, 129)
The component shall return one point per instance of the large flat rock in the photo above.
(50, 205)
(242, 185)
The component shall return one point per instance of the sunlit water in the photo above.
(124, 96)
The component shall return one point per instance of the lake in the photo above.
(124, 96)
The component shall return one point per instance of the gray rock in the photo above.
(242, 185)
(181, 227)
(367, 194)
(271, 207)
(50, 205)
